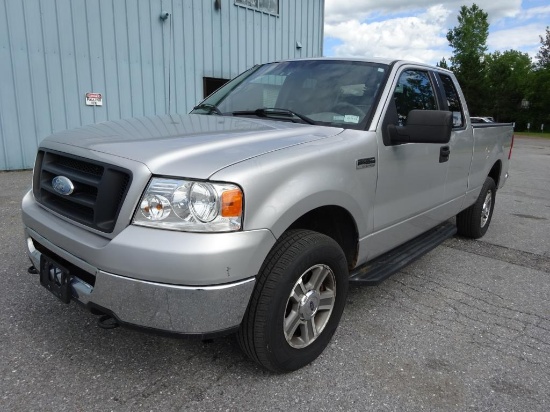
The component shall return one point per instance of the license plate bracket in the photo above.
(56, 278)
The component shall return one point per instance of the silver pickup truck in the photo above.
(255, 212)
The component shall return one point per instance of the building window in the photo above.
(211, 84)
(268, 6)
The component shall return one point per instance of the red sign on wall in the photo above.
(94, 99)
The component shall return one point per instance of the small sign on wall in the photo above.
(94, 99)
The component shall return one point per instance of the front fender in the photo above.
(295, 206)
(282, 186)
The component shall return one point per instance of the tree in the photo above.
(543, 56)
(508, 77)
(540, 98)
(469, 43)
(443, 64)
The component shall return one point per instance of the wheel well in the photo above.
(495, 172)
(335, 222)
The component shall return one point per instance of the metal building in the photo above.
(67, 63)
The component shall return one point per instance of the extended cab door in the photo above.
(411, 176)
(460, 145)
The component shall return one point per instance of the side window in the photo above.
(453, 100)
(414, 90)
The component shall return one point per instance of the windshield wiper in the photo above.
(210, 107)
(273, 111)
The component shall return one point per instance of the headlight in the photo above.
(186, 205)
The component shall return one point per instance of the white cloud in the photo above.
(419, 38)
(337, 11)
(417, 29)
(526, 37)
(343, 10)
(535, 12)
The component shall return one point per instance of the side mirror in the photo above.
(423, 126)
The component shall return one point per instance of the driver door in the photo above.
(411, 178)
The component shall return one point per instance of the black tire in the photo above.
(474, 221)
(262, 335)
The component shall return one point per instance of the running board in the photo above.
(382, 267)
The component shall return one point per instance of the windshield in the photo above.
(327, 92)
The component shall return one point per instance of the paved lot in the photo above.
(467, 327)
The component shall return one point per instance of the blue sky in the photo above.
(417, 29)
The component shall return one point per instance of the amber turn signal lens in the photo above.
(232, 203)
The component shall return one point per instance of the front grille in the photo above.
(99, 188)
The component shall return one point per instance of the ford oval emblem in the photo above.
(62, 185)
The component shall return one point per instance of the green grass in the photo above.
(533, 134)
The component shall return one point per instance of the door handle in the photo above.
(444, 153)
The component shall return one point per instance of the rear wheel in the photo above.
(474, 221)
(298, 301)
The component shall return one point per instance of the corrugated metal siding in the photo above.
(54, 51)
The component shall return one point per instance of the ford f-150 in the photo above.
(254, 213)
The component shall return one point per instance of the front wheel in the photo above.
(474, 221)
(297, 303)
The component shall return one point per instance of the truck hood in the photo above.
(190, 145)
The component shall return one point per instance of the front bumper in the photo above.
(189, 310)
(185, 283)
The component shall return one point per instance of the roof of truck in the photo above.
(371, 60)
